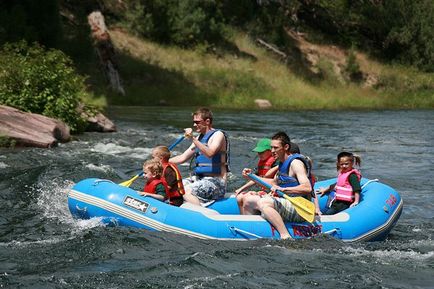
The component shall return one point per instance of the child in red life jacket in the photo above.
(345, 193)
(171, 177)
(267, 167)
(154, 187)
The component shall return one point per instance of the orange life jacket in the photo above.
(174, 192)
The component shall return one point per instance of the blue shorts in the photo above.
(207, 188)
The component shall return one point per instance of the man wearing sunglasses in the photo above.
(211, 152)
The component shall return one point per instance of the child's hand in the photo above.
(323, 191)
(143, 193)
(246, 171)
(318, 212)
(354, 204)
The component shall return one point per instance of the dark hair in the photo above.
(284, 139)
(356, 159)
(294, 149)
(204, 113)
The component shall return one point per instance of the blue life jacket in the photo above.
(210, 166)
(284, 180)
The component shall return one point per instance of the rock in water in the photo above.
(30, 129)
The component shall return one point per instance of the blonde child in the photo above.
(171, 177)
(346, 191)
(154, 187)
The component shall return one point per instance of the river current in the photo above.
(42, 246)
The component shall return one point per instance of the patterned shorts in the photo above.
(207, 188)
(286, 210)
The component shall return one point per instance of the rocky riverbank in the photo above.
(25, 129)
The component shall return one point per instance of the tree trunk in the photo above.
(105, 50)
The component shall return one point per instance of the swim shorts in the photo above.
(207, 188)
(287, 210)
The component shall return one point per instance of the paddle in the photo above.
(304, 207)
(130, 181)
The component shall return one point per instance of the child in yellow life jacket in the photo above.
(154, 187)
(345, 193)
(171, 177)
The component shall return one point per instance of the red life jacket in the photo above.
(151, 186)
(344, 191)
(174, 192)
(265, 165)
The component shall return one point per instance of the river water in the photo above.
(42, 246)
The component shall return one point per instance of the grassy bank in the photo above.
(154, 74)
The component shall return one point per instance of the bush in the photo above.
(352, 68)
(41, 81)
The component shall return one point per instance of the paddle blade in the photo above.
(303, 207)
(129, 182)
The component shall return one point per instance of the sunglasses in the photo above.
(198, 121)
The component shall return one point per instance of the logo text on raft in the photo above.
(306, 231)
(391, 200)
(136, 204)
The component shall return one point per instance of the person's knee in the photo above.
(240, 198)
(250, 200)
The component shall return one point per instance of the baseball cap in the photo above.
(262, 145)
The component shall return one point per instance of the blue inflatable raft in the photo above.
(371, 220)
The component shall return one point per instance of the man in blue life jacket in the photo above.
(292, 178)
(211, 152)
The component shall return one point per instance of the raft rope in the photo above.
(236, 230)
(101, 181)
(370, 181)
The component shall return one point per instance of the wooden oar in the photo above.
(304, 207)
(130, 181)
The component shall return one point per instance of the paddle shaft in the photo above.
(171, 147)
(263, 183)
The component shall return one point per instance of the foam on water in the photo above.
(53, 204)
(3, 165)
(389, 255)
(115, 149)
(99, 168)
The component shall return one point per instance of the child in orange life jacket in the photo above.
(345, 193)
(265, 163)
(171, 177)
(154, 187)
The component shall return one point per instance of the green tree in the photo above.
(41, 81)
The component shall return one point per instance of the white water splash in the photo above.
(99, 168)
(114, 149)
(3, 165)
(53, 204)
(21, 244)
(389, 255)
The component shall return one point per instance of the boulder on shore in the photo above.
(35, 130)
(30, 129)
(263, 103)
